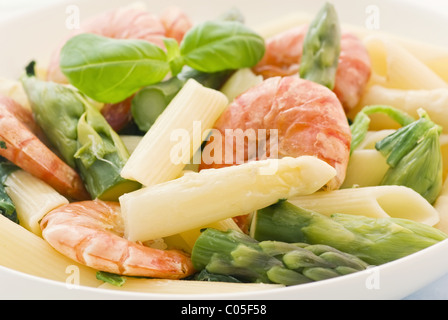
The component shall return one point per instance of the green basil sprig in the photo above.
(111, 70)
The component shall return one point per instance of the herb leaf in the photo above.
(113, 279)
(110, 70)
(214, 46)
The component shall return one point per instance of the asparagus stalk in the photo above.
(81, 135)
(373, 240)
(321, 48)
(7, 207)
(235, 254)
(149, 103)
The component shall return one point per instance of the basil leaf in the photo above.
(214, 46)
(111, 70)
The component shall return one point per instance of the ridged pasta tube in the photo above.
(198, 199)
(33, 199)
(152, 160)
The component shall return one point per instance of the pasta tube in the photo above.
(390, 67)
(25, 252)
(365, 168)
(152, 161)
(374, 202)
(441, 205)
(32, 198)
(410, 101)
(191, 236)
(197, 199)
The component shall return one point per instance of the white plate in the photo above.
(34, 35)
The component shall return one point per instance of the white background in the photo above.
(10, 8)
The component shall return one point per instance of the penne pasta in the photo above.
(24, 251)
(376, 202)
(32, 198)
(153, 160)
(14, 90)
(390, 67)
(366, 168)
(433, 101)
(441, 205)
(372, 137)
(163, 286)
(198, 199)
(190, 236)
(444, 146)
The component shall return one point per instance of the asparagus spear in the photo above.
(235, 254)
(7, 207)
(81, 135)
(375, 241)
(321, 48)
(152, 100)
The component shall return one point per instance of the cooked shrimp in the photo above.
(22, 114)
(23, 148)
(123, 23)
(308, 116)
(284, 52)
(176, 23)
(91, 233)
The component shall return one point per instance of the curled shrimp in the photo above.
(176, 23)
(309, 120)
(23, 148)
(91, 233)
(284, 52)
(308, 116)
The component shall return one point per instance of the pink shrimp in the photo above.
(176, 23)
(284, 51)
(91, 233)
(23, 148)
(308, 117)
